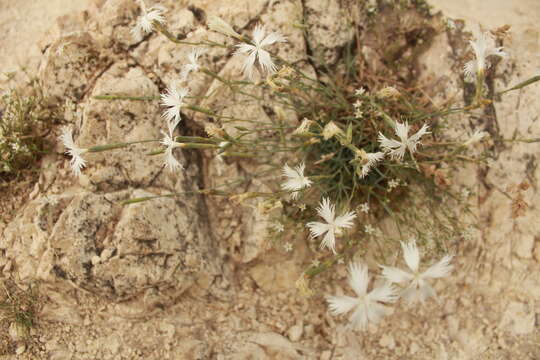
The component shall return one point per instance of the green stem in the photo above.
(159, 27)
(126, 97)
(200, 192)
(197, 146)
(522, 84)
(529, 141)
(237, 154)
(195, 139)
(106, 147)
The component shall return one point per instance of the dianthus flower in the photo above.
(145, 22)
(174, 100)
(483, 46)
(333, 225)
(366, 306)
(296, 180)
(256, 53)
(418, 288)
(77, 162)
(396, 148)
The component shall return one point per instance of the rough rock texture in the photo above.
(114, 251)
(327, 34)
(192, 277)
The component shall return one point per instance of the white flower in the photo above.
(369, 229)
(333, 225)
(255, 51)
(417, 289)
(219, 25)
(359, 92)
(368, 160)
(295, 179)
(77, 162)
(393, 183)
(303, 128)
(397, 149)
(330, 130)
(366, 306)
(364, 207)
(16, 146)
(287, 247)
(278, 227)
(170, 160)
(174, 100)
(145, 21)
(192, 65)
(483, 46)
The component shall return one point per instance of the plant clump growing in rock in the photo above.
(355, 142)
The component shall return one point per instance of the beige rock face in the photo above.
(23, 24)
(76, 51)
(110, 250)
(87, 238)
(327, 34)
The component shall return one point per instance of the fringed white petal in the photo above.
(402, 131)
(415, 139)
(470, 70)
(295, 179)
(77, 163)
(341, 304)
(359, 318)
(329, 241)
(384, 293)
(272, 38)
(395, 275)
(327, 210)
(358, 278)
(345, 220)
(170, 161)
(440, 269)
(258, 34)
(249, 64)
(318, 228)
(411, 255)
(375, 312)
(266, 62)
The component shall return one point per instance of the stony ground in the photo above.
(115, 284)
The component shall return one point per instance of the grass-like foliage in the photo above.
(25, 121)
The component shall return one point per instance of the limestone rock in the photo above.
(519, 318)
(325, 34)
(156, 243)
(71, 66)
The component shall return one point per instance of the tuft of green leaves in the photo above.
(25, 120)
